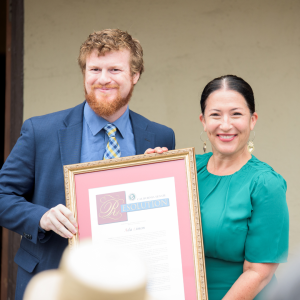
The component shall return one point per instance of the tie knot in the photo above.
(110, 130)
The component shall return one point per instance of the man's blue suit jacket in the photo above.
(32, 181)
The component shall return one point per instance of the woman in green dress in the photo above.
(242, 200)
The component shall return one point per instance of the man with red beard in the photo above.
(32, 194)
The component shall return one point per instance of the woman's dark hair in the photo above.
(231, 83)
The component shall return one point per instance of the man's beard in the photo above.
(101, 106)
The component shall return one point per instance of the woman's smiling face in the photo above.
(227, 121)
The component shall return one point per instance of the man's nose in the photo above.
(104, 77)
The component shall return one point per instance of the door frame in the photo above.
(13, 123)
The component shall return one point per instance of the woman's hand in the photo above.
(254, 278)
(156, 150)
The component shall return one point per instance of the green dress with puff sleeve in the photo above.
(244, 217)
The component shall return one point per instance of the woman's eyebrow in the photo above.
(236, 108)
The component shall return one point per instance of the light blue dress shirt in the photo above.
(94, 137)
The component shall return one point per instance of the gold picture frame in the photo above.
(76, 186)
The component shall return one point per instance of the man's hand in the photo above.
(156, 150)
(60, 220)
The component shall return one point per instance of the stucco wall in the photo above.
(186, 44)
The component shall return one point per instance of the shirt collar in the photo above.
(97, 123)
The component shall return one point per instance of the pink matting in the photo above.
(176, 169)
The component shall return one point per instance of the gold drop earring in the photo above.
(250, 145)
(204, 142)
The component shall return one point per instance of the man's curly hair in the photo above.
(109, 40)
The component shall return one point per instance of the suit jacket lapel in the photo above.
(143, 138)
(70, 137)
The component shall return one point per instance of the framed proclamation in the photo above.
(148, 203)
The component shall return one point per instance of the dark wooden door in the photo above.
(12, 126)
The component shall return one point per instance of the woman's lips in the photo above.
(226, 137)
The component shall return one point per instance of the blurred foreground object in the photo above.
(288, 287)
(89, 273)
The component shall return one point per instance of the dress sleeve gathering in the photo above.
(268, 227)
